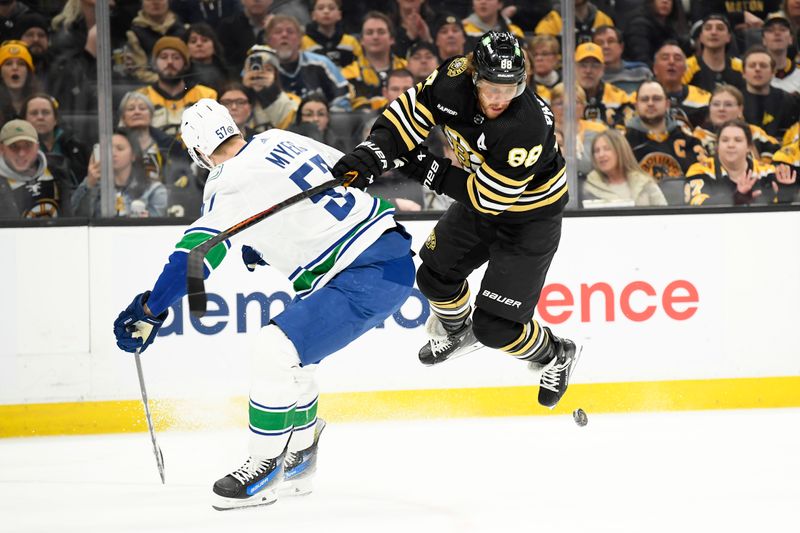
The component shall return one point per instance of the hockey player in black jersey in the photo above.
(510, 192)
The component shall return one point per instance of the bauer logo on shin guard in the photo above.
(501, 299)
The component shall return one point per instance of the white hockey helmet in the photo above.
(204, 126)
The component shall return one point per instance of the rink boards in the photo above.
(674, 312)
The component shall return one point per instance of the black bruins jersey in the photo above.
(665, 155)
(708, 183)
(700, 75)
(513, 166)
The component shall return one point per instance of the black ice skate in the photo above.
(299, 467)
(444, 345)
(254, 483)
(555, 373)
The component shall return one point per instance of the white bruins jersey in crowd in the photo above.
(310, 241)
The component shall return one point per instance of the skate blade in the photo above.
(455, 355)
(295, 487)
(230, 504)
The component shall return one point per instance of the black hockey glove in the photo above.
(425, 168)
(360, 167)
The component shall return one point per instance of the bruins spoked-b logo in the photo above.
(458, 66)
(661, 165)
(430, 242)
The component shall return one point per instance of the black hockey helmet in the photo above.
(498, 59)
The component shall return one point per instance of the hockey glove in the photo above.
(425, 168)
(360, 167)
(136, 330)
(251, 258)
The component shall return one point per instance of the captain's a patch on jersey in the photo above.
(458, 66)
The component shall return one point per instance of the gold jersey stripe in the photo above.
(400, 129)
(535, 205)
(549, 183)
(489, 171)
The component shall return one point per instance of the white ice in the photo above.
(721, 471)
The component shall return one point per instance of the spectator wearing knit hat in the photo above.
(18, 81)
(154, 20)
(449, 36)
(32, 29)
(171, 93)
(422, 59)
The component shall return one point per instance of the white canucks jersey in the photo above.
(310, 241)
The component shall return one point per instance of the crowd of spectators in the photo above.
(678, 102)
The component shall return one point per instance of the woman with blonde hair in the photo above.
(616, 176)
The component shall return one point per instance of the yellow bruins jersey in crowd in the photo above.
(788, 155)
(513, 169)
(613, 106)
(552, 24)
(342, 49)
(368, 83)
(765, 144)
(473, 31)
(700, 75)
(791, 135)
(169, 109)
(708, 183)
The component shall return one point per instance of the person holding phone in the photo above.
(135, 194)
(274, 108)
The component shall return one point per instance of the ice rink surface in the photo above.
(724, 471)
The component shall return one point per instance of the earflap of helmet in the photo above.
(202, 160)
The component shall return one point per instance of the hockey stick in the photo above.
(195, 285)
(156, 449)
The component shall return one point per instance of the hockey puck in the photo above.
(579, 415)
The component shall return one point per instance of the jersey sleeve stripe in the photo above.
(415, 109)
(476, 203)
(531, 206)
(491, 173)
(488, 193)
(548, 184)
(400, 129)
(488, 181)
(425, 112)
(401, 111)
(412, 119)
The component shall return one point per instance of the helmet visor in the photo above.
(499, 91)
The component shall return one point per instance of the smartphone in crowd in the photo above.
(96, 152)
(256, 62)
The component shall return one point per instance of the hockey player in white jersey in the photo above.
(349, 261)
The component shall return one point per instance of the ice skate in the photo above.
(443, 345)
(252, 484)
(555, 373)
(299, 467)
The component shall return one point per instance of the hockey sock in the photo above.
(533, 344)
(305, 414)
(453, 312)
